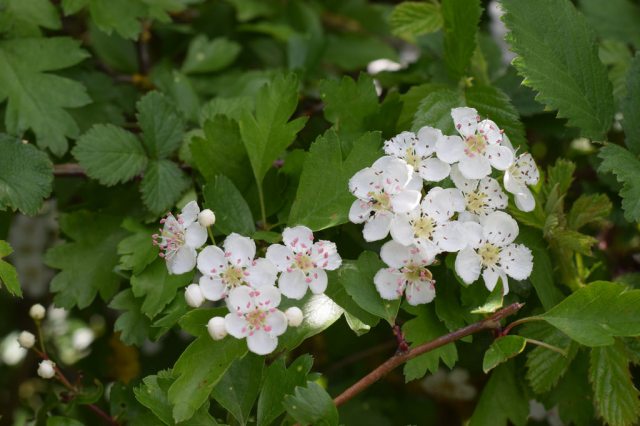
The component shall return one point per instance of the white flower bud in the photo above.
(193, 295)
(216, 328)
(206, 218)
(26, 339)
(46, 369)
(294, 316)
(37, 312)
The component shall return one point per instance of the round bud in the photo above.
(216, 328)
(26, 339)
(193, 295)
(37, 312)
(294, 316)
(206, 218)
(46, 369)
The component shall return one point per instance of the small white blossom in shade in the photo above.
(491, 252)
(419, 151)
(235, 266)
(429, 226)
(26, 339)
(452, 385)
(47, 369)
(82, 338)
(254, 316)
(523, 172)
(478, 149)
(193, 295)
(303, 262)
(407, 274)
(480, 196)
(179, 239)
(216, 328)
(383, 189)
(37, 312)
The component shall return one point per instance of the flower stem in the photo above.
(263, 210)
(518, 322)
(548, 346)
(210, 232)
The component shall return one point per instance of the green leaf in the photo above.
(211, 360)
(410, 19)
(206, 56)
(26, 175)
(121, 16)
(162, 185)
(361, 320)
(238, 389)
(352, 51)
(588, 208)
(461, 19)
(546, 367)
(501, 350)
(494, 301)
(110, 154)
(8, 274)
(357, 279)
(36, 98)
(616, 397)
(132, 324)
(575, 408)
(574, 241)
(323, 198)
(631, 106)
(268, 132)
(137, 251)
(87, 260)
(626, 167)
(618, 20)
(502, 400)
(311, 405)
(423, 328)
(162, 126)
(598, 312)
(62, 421)
(435, 110)
(23, 18)
(558, 56)
(157, 287)
(278, 382)
(231, 209)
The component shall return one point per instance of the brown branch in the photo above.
(491, 323)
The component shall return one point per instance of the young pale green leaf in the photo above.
(426, 326)
(588, 208)
(598, 312)
(461, 19)
(231, 209)
(36, 98)
(558, 56)
(278, 382)
(22, 18)
(323, 198)
(198, 370)
(162, 126)
(162, 185)
(268, 132)
(206, 56)
(8, 274)
(357, 279)
(311, 405)
(157, 287)
(546, 367)
(238, 389)
(631, 106)
(110, 154)
(626, 167)
(616, 397)
(618, 20)
(435, 110)
(501, 350)
(494, 301)
(26, 175)
(410, 19)
(133, 325)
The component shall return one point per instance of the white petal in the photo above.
(293, 284)
(405, 201)
(401, 229)
(298, 238)
(317, 281)
(528, 169)
(525, 200)
(420, 292)
(499, 156)
(415, 183)
(496, 198)
(363, 182)
(261, 272)
(434, 169)
(266, 297)
(450, 236)
(360, 211)
(325, 255)
(450, 149)
(499, 228)
(240, 250)
(236, 325)
(183, 261)
(398, 145)
(395, 254)
(466, 120)
(211, 261)
(490, 277)
(281, 256)
(377, 227)
(261, 342)
(511, 183)
(428, 249)
(276, 322)
(189, 213)
(212, 288)
(240, 300)
(428, 137)
(468, 265)
(389, 283)
(195, 235)
(517, 261)
(473, 233)
(475, 167)
(462, 183)
(396, 175)
(490, 131)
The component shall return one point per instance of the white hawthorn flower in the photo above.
(383, 189)
(193, 295)
(523, 172)
(407, 274)
(179, 239)
(295, 316)
(216, 328)
(419, 151)
(491, 252)
(206, 218)
(235, 266)
(480, 196)
(303, 262)
(478, 149)
(26, 339)
(429, 225)
(47, 369)
(254, 316)
(37, 312)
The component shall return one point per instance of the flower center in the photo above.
(490, 254)
(423, 227)
(171, 237)
(233, 276)
(303, 262)
(412, 158)
(476, 201)
(256, 320)
(380, 200)
(413, 273)
(475, 144)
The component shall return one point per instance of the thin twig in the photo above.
(491, 323)
(525, 320)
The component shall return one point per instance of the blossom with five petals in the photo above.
(480, 196)
(522, 173)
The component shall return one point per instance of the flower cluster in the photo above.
(251, 287)
(397, 195)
